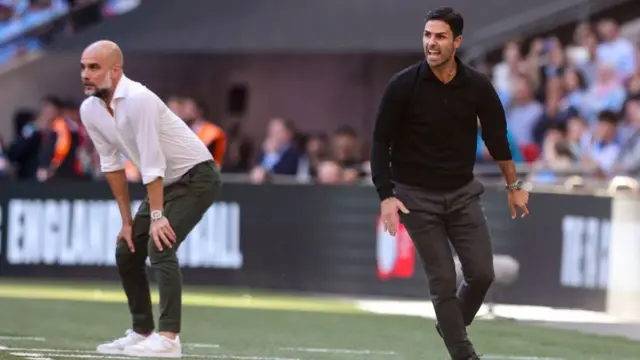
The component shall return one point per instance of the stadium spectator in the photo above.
(600, 148)
(61, 139)
(316, 151)
(329, 172)
(556, 150)
(239, 151)
(607, 93)
(628, 161)
(554, 111)
(23, 150)
(578, 52)
(176, 104)
(279, 154)
(505, 72)
(213, 136)
(523, 111)
(615, 49)
(346, 150)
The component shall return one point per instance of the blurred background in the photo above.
(284, 93)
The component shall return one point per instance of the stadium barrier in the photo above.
(326, 239)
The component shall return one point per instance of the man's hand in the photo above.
(162, 232)
(125, 234)
(518, 199)
(389, 213)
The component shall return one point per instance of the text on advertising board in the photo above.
(83, 232)
(585, 252)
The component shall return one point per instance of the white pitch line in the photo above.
(506, 357)
(67, 355)
(26, 338)
(93, 355)
(339, 351)
(211, 346)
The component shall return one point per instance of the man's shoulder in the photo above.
(476, 75)
(88, 103)
(138, 91)
(407, 74)
(86, 107)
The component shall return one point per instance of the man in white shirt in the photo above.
(123, 117)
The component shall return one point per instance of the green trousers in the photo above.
(185, 202)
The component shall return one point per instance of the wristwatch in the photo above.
(156, 215)
(516, 185)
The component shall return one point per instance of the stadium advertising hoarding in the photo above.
(307, 238)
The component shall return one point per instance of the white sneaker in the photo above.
(155, 345)
(116, 347)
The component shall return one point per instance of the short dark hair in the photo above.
(52, 100)
(346, 130)
(448, 15)
(608, 116)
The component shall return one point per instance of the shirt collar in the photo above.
(461, 72)
(123, 88)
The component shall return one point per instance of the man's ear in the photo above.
(457, 42)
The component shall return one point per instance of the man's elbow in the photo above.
(112, 167)
(501, 153)
(152, 175)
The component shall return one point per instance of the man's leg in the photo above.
(133, 272)
(469, 234)
(186, 203)
(428, 232)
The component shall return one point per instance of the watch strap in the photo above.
(517, 185)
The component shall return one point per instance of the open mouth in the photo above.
(433, 53)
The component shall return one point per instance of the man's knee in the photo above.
(125, 259)
(482, 279)
(165, 256)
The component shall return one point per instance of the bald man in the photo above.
(182, 181)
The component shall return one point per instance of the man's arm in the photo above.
(112, 165)
(494, 130)
(389, 112)
(153, 163)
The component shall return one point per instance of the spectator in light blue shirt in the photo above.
(616, 50)
(599, 148)
(523, 112)
(607, 93)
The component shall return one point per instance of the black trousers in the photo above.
(185, 202)
(437, 219)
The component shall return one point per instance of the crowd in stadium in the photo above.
(568, 106)
(27, 25)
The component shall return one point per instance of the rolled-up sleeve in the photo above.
(110, 158)
(146, 118)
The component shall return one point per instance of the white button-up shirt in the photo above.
(144, 130)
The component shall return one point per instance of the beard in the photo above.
(104, 91)
(443, 57)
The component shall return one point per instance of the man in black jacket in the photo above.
(422, 159)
